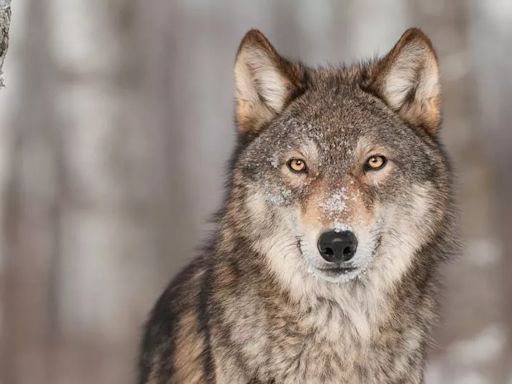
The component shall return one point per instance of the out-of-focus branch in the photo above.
(5, 20)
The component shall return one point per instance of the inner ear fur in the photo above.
(407, 79)
(265, 82)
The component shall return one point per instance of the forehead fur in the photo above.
(336, 111)
(340, 94)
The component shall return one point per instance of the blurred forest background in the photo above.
(115, 127)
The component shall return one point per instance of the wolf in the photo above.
(339, 212)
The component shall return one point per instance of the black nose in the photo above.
(337, 246)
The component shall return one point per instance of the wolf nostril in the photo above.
(337, 246)
(328, 254)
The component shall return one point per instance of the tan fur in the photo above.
(252, 114)
(188, 362)
(315, 214)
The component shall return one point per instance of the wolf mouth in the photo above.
(337, 270)
(332, 271)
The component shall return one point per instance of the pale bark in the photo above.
(5, 21)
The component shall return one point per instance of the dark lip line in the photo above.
(337, 270)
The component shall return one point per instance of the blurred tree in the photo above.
(5, 21)
(30, 216)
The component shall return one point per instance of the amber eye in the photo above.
(297, 165)
(375, 162)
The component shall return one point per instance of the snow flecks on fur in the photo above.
(274, 161)
(340, 227)
(338, 203)
(279, 196)
(335, 203)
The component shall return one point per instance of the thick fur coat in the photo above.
(351, 150)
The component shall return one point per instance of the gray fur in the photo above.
(256, 306)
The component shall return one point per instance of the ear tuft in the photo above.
(264, 82)
(407, 79)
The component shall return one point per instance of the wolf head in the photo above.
(339, 174)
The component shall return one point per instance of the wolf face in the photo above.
(342, 175)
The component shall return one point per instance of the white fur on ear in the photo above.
(257, 77)
(407, 78)
(264, 81)
(413, 70)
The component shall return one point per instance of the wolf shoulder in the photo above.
(173, 346)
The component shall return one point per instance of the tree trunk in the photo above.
(5, 21)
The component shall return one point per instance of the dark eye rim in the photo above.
(289, 165)
(369, 168)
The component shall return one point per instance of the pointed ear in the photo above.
(407, 79)
(264, 82)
